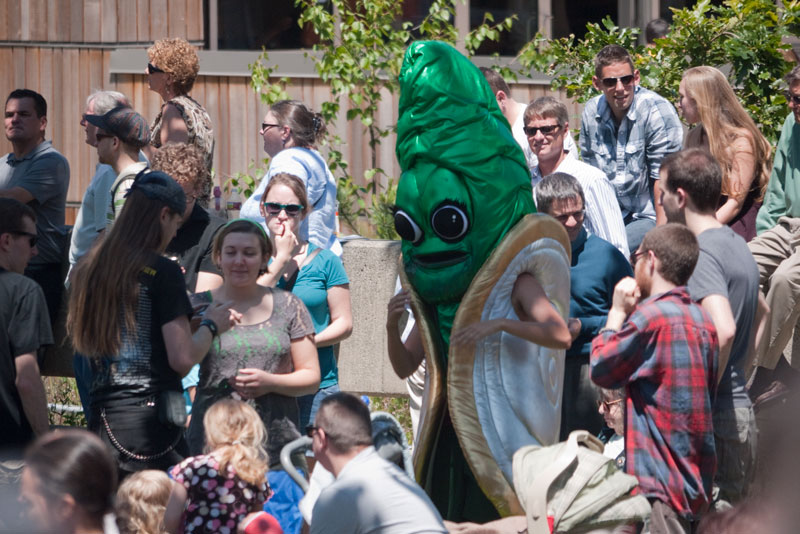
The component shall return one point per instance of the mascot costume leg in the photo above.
(467, 220)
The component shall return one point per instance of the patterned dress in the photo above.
(217, 502)
(267, 346)
(201, 134)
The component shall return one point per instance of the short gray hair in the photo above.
(557, 186)
(105, 101)
(793, 76)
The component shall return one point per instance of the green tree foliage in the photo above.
(743, 38)
(361, 48)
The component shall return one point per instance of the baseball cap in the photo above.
(157, 185)
(125, 123)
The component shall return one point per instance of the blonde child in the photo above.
(144, 505)
(229, 481)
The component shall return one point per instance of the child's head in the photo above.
(236, 434)
(141, 502)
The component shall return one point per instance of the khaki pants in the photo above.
(778, 257)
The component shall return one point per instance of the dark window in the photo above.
(522, 31)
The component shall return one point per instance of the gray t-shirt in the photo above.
(44, 173)
(727, 268)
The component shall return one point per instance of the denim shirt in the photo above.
(631, 155)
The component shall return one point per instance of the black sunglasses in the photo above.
(292, 210)
(32, 238)
(608, 83)
(310, 429)
(792, 98)
(266, 126)
(152, 69)
(530, 131)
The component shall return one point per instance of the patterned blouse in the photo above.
(201, 134)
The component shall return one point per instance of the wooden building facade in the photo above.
(66, 49)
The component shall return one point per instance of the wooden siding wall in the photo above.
(65, 76)
(100, 21)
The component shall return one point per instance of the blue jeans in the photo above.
(636, 229)
(309, 404)
(83, 378)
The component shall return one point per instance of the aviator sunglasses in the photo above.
(292, 210)
(608, 83)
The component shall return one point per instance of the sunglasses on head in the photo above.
(292, 210)
(792, 98)
(32, 238)
(530, 131)
(608, 83)
(152, 69)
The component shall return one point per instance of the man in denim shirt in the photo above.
(626, 132)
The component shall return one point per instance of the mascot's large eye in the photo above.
(406, 227)
(450, 222)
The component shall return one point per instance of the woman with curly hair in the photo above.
(171, 71)
(726, 130)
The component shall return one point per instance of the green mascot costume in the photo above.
(463, 212)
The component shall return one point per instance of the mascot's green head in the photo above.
(465, 182)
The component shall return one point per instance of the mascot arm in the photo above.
(541, 323)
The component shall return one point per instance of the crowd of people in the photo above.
(203, 345)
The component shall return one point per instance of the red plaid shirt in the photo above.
(665, 355)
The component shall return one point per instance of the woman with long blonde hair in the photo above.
(235, 460)
(724, 128)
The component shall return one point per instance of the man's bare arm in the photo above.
(31, 392)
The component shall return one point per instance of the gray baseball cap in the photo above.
(125, 123)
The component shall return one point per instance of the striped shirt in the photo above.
(631, 156)
(603, 217)
(665, 355)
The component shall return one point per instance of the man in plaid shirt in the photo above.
(662, 347)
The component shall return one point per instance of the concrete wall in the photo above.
(363, 361)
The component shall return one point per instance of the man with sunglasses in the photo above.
(776, 252)
(36, 174)
(370, 494)
(662, 347)
(595, 269)
(121, 134)
(514, 111)
(625, 132)
(24, 331)
(546, 126)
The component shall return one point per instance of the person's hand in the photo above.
(251, 383)
(574, 326)
(285, 244)
(470, 334)
(223, 315)
(397, 306)
(626, 296)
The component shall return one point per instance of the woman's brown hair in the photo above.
(106, 281)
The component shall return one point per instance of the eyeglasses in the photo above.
(795, 99)
(530, 131)
(152, 69)
(608, 83)
(292, 210)
(636, 254)
(577, 215)
(32, 238)
(310, 429)
(606, 405)
(266, 126)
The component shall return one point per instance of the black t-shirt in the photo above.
(192, 245)
(141, 369)
(24, 329)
